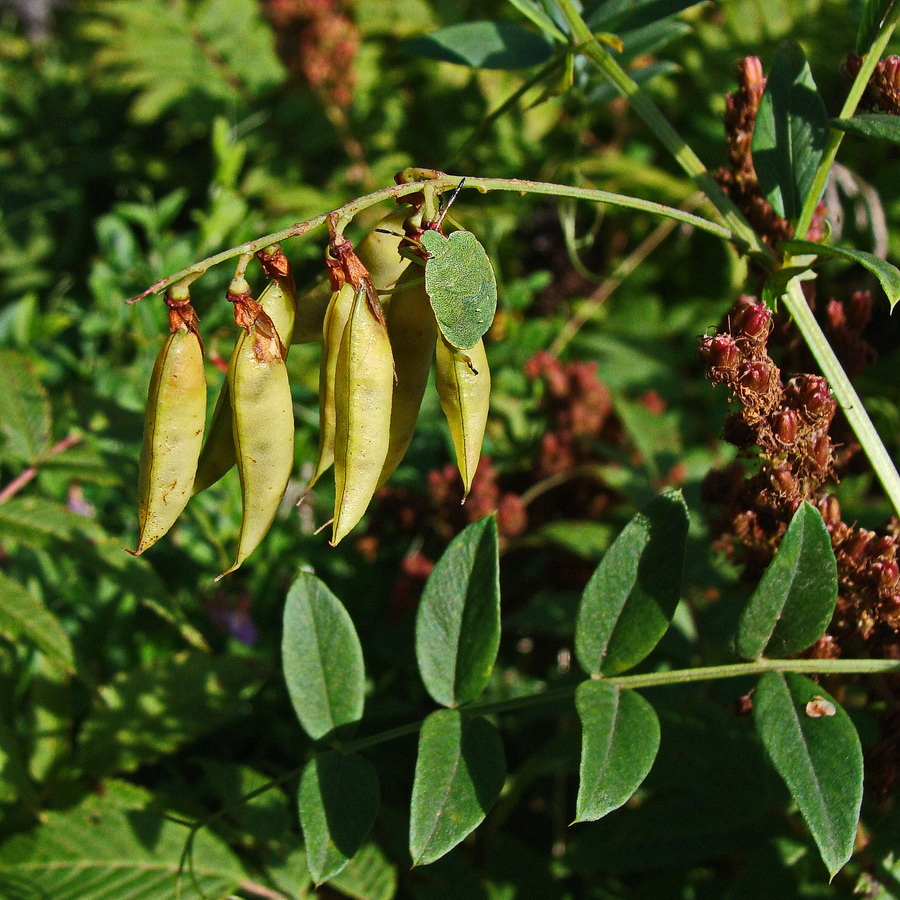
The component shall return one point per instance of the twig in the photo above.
(23, 478)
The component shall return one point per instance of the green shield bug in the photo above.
(460, 283)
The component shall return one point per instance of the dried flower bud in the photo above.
(719, 352)
(753, 376)
(751, 321)
(785, 424)
(812, 396)
(783, 482)
(856, 546)
(830, 508)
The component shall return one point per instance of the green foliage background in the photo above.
(140, 135)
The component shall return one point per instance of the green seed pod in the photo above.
(336, 318)
(364, 383)
(379, 252)
(413, 330)
(311, 308)
(263, 429)
(173, 433)
(463, 382)
(218, 454)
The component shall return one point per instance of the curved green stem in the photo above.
(844, 391)
(835, 136)
(442, 183)
(690, 163)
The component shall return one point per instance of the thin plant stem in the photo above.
(441, 183)
(835, 136)
(844, 392)
(690, 163)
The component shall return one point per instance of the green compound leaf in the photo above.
(816, 750)
(620, 739)
(338, 802)
(460, 283)
(482, 45)
(631, 597)
(887, 274)
(790, 133)
(24, 617)
(875, 15)
(794, 600)
(458, 623)
(460, 770)
(321, 658)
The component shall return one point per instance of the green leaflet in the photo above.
(794, 600)
(631, 597)
(458, 623)
(816, 750)
(338, 802)
(790, 133)
(321, 658)
(459, 773)
(620, 739)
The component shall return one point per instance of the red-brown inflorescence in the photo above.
(318, 42)
(738, 179)
(883, 90)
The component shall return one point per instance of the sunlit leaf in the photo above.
(24, 410)
(794, 600)
(321, 658)
(888, 275)
(106, 848)
(816, 751)
(458, 623)
(790, 133)
(631, 597)
(482, 45)
(24, 617)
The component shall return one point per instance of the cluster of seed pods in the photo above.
(407, 296)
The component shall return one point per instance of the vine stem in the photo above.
(844, 392)
(444, 183)
(681, 151)
(835, 135)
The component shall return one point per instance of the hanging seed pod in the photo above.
(263, 427)
(379, 252)
(463, 382)
(336, 318)
(279, 302)
(173, 429)
(364, 382)
(412, 329)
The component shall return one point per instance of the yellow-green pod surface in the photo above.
(311, 308)
(263, 429)
(336, 319)
(463, 382)
(379, 250)
(412, 329)
(364, 384)
(218, 454)
(173, 433)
